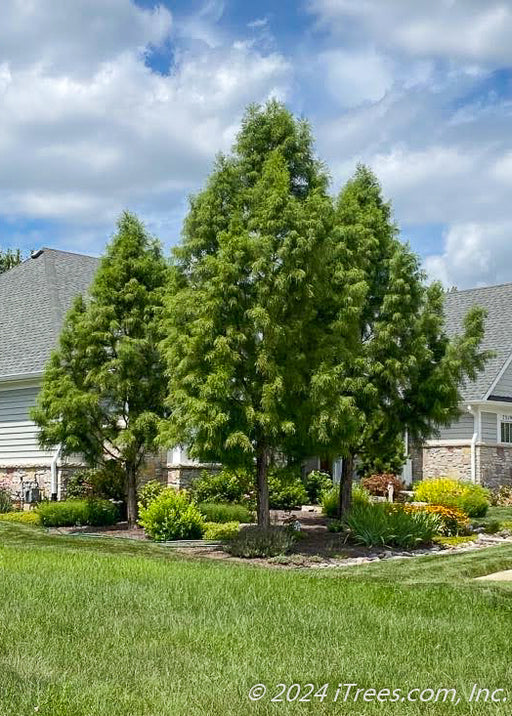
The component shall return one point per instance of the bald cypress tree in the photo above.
(249, 353)
(103, 389)
(407, 373)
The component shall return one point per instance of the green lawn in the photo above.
(499, 514)
(90, 627)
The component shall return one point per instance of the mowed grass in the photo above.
(499, 514)
(92, 627)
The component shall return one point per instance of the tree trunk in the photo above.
(263, 511)
(131, 495)
(345, 498)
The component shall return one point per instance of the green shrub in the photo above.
(285, 489)
(149, 492)
(492, 527)
(336, 526)
(257, 542)
(381, 525)
(172, 516)
(221, 531)
(360, 496)
(225, 512)
(224, 486)
(105, 482)
(5, 499)
(329, 502)
(330, 499)
(101, 512)
(27, 517)
(409, 530)
(315, 484)
(474, 500)
(70, 513)
(78, 486)
(108, 481)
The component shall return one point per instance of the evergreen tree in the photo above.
(250, 354)
(103, 389)
(9, 258)
(407, 373)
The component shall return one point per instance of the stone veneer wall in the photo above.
(154, 468)
(22, 478)
(447, 460)
(181, 476)
(494, 465)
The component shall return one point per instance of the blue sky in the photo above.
(112, 104)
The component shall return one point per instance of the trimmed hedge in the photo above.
(225, 512)
(221, 531)
(30, 517)
(71, 513)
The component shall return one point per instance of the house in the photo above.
(477, 446)
(35, 296)
(34, 299)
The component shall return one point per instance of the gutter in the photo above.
(55, 482)
(475, 414)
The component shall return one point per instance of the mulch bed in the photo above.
(316, 547)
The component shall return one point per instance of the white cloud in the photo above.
(87, 128)
(442, 161)
(474, 255)
(82, 139)
(357, 76)
(474, 30)
(76, 37)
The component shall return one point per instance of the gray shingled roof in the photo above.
(497, 301)
(34, 298)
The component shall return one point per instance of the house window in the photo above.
(506, 431)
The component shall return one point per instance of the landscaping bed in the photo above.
(316, 547)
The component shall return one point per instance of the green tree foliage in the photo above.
(103, 389)
(9, 258)
(407, 373)
(252, 335)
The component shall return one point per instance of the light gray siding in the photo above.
(504, 385)
(18, 434)
(461, 429)
(489, 427)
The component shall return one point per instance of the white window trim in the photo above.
(499, 421)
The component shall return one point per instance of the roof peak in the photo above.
(44, 249)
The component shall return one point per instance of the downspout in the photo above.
(474, 440)
(55, 482)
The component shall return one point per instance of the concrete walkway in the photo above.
(505, 576)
